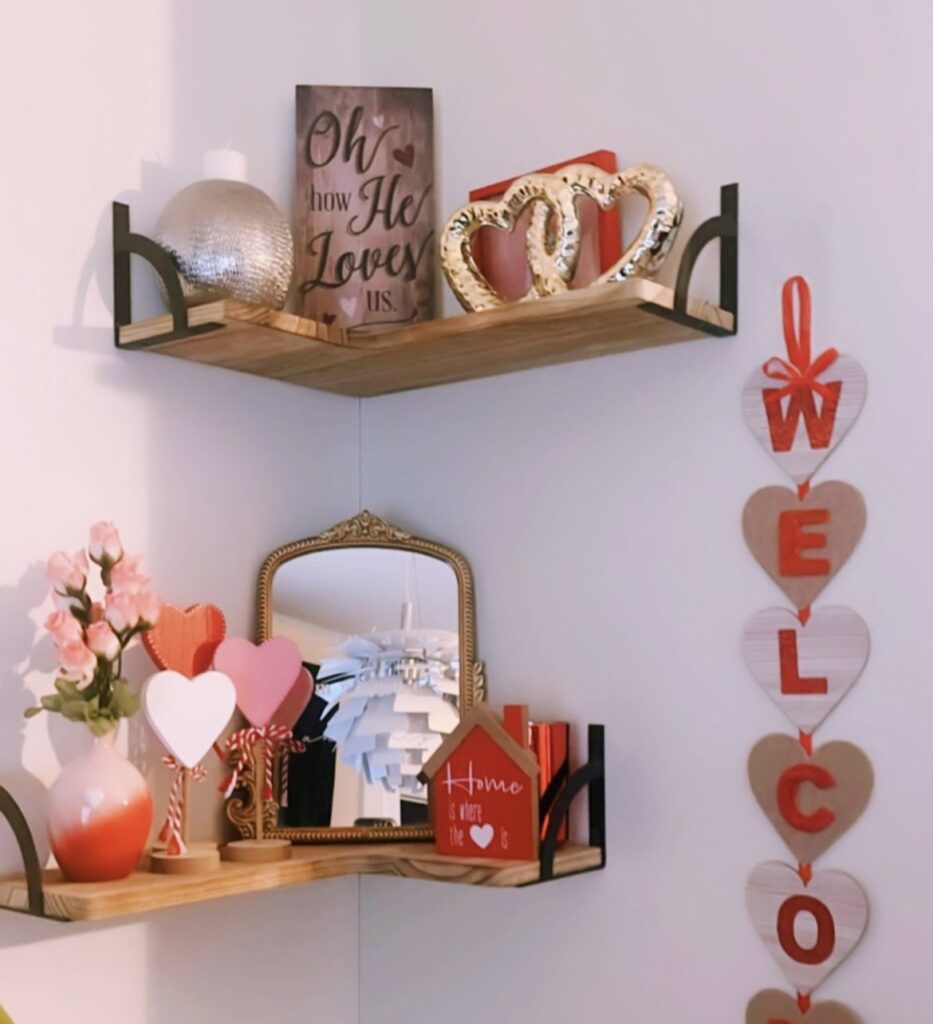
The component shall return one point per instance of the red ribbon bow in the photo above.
(799, 374)
(171, 833)
(242, 743)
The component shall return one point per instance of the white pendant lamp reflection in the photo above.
(396, 695)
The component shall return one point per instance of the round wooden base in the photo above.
(257, 851)
(200, 859)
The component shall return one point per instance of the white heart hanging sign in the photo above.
(188, 715)
(806, 669)
(808, 929)
(801, 429)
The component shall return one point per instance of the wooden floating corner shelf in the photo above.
(581, 324)
(144, 892)
(578, 324)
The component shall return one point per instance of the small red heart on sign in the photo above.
(262, 675)
(329, 318)
(184, 640)
(406, 155)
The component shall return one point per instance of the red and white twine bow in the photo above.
(171, 833)
(242, 744)
(799, 373)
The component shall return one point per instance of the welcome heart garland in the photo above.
(799, 409)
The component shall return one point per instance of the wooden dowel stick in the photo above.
(259, 768)
(186, 800)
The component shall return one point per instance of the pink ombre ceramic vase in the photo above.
(100, 813)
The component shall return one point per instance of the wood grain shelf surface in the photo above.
(143, 892)
(582, 324)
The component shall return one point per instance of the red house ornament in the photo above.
(484, 788)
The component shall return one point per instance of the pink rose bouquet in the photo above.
(91, 636)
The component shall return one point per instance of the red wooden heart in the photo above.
(405, 155)
(184, 640)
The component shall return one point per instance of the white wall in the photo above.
(205, 471)
(600, 503)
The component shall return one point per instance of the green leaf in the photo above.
(100, 726)
(51, 702)
(68, 689)
(123, 702)
(74, 710)
(30, 713)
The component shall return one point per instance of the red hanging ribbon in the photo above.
(171, 833)
(799, 373)
(242, 743)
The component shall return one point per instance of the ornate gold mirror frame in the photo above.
(362, 530)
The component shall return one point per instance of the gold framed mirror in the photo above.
(385, 622)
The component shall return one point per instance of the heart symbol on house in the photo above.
(263, 675)
(189, 714)
(800, 430)
(801, 543)
(810, 800)
(185, 640)
(348, 306)
(405, 155)
(379, 120)
(775, 1007)
(806, 669)
(328, 318)
(808, 929)
(296, 700)
(482, 835)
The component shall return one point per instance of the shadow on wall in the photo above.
(17, 604)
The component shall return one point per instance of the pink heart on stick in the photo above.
(262, 676)
(297, 699)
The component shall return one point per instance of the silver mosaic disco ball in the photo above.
(229, 241)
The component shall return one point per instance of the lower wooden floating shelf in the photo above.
(574, 325)
(143, 892)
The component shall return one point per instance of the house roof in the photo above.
(482, 717)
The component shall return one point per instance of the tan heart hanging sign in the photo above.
(775, 1007)
(801, 543)
(810, 800)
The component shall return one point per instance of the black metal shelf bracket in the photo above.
(725, 227)
(10, 810)
(555, 804)
(127, 243)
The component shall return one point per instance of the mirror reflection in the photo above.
(377, 627)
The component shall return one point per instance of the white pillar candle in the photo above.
(227, 164)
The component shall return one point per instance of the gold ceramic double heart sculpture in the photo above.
(552, 244)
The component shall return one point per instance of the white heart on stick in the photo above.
(189, 714)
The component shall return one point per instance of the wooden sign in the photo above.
(184, 640)
(365, 232)
(802, 428)
(484, 788)
(811, 800)
(808, 929)
(775, 1007)
(806, 669)
(188, 715)
(801, 543)
(263, 675)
